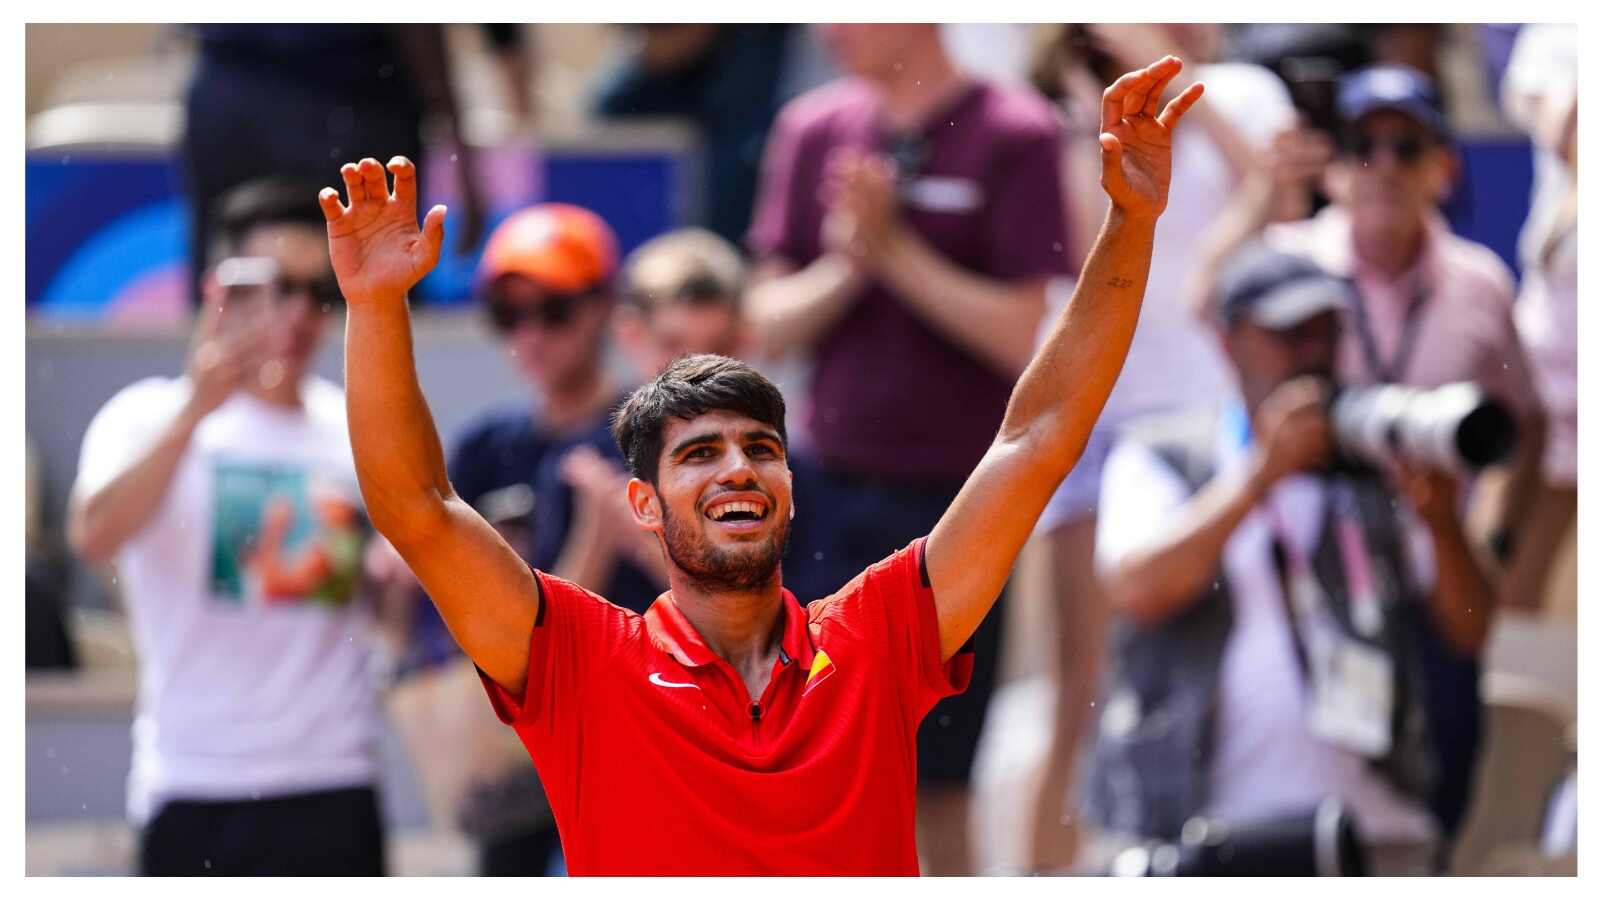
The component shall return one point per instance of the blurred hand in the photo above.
(221, 359)
(1292, 428)
(377, 250)
(1135, 143)
(863, 211)
(600, 485)
(1298, 156)
(1432, 492)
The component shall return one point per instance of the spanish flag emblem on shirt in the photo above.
(821, 668)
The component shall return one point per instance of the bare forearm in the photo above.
(1245, 216)
(399, 461)
(1061, 392)
(950, 299)
(1161, 580)
(99, 524)
(793, 309)
(1462, 595)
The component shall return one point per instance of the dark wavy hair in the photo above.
(691, 386)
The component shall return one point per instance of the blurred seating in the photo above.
(1525, 753)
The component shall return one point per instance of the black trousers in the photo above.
(324, 833)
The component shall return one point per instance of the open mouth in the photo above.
(737, 512)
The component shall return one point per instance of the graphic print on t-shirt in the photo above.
(282, 536)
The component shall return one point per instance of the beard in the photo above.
(716, 569)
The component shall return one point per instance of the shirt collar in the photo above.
(672, 631)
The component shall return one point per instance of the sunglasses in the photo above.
(1406, 149)
(552, 314)
(323, 292)
(701, 289)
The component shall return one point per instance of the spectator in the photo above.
(729, 80)
(226, 499)
(681, 296)
(1271, 580)
(1430, 307)
(1174, 361)
(335, 91)
(1542, 94)
(546, 282)
(48, 644)
(908, 220)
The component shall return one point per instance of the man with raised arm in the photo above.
(730, 730)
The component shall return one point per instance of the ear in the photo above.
(645, 504)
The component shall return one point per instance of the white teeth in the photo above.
(745, 506)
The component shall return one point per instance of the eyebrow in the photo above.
(707, 437)
(712, 437)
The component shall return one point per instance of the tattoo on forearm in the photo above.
(1120, 283)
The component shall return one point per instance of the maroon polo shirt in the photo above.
(890, 397)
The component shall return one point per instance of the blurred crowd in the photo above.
(1269, 582)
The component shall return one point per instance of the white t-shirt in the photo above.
(1265, 760)
(254, 663)
(1175, 361)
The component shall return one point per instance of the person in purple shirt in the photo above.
(908, 218)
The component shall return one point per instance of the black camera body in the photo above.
(1322, 841)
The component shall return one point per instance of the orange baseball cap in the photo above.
(564, 248)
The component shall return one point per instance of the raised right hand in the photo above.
(377, 250)
(1293, 429)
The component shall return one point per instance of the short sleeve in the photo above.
(775, 222)
(1027, 208)
(1136, 490)
(895, 596)
(575, 632)
(129, 423)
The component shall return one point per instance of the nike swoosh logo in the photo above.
(656, 679)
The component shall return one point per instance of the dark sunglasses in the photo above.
(701, 289)
(1407, 150)
(555, 312)
(324, 292)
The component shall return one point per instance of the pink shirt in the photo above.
(1464, 329)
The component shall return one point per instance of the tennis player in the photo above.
(730, 729)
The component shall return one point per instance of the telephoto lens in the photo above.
(1456, 428)
(1320, 842)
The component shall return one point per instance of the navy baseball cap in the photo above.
(1276, 290)
(1400, 88)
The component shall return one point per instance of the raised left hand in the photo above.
(1135, 143)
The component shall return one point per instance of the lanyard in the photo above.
(1392, 372)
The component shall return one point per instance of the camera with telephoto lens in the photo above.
(1456, 428)
(1322, 841)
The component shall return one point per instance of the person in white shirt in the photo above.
(1279, 633)
(226, 501)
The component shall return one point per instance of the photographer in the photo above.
(1280, 639)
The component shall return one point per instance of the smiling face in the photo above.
(721, 500)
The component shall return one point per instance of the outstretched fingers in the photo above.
(354, 188)
(1162, 71)
(1114, 101)
(328, 199)
(373, 178)
(405, 182)
(432, 236)
(1180, 104)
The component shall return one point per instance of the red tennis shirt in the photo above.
(657, 761)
